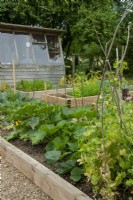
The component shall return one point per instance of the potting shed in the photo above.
(34, 53)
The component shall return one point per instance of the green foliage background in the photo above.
(80, 19)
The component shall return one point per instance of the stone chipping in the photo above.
(15, 186)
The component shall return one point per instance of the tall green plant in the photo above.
(105, 169)
(119, 152)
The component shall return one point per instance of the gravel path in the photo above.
(15, 186)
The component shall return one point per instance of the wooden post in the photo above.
(45, 87)
(73, 65)
(119, 76)
(56, 94)
(14, 77)
(34, 87)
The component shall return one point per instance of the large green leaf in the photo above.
(73, 146)
(53, 155)
(79, 112)
(49, 146)
(33, 122)
(61, 124)
(11, 136)
(60, 142)
(76, 174)
(48, 128)
(66, 166)
(38, 137)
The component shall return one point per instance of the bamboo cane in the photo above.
(45, 88)
(14, 76)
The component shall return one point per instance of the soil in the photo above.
(37, 152)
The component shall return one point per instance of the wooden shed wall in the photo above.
(30, 72)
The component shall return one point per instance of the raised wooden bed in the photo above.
(131, 93)
(72, 102)
(39, 94)
(52, 184)
(36, 94)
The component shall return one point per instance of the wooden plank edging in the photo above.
(52, 184)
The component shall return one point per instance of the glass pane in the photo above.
(7, 48)
(24, 48)
(38, 38)
(53, 46)
(39, 47)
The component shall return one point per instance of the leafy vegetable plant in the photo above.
(58, 128)
(83, 87)
(73, 139)
(8, 104)
(35, 85)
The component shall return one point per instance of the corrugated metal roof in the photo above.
(29, 28)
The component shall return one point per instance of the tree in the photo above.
(99, 20)
(82, 21)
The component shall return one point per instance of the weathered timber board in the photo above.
(52, 184)
(71, 101)
(29, 72)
